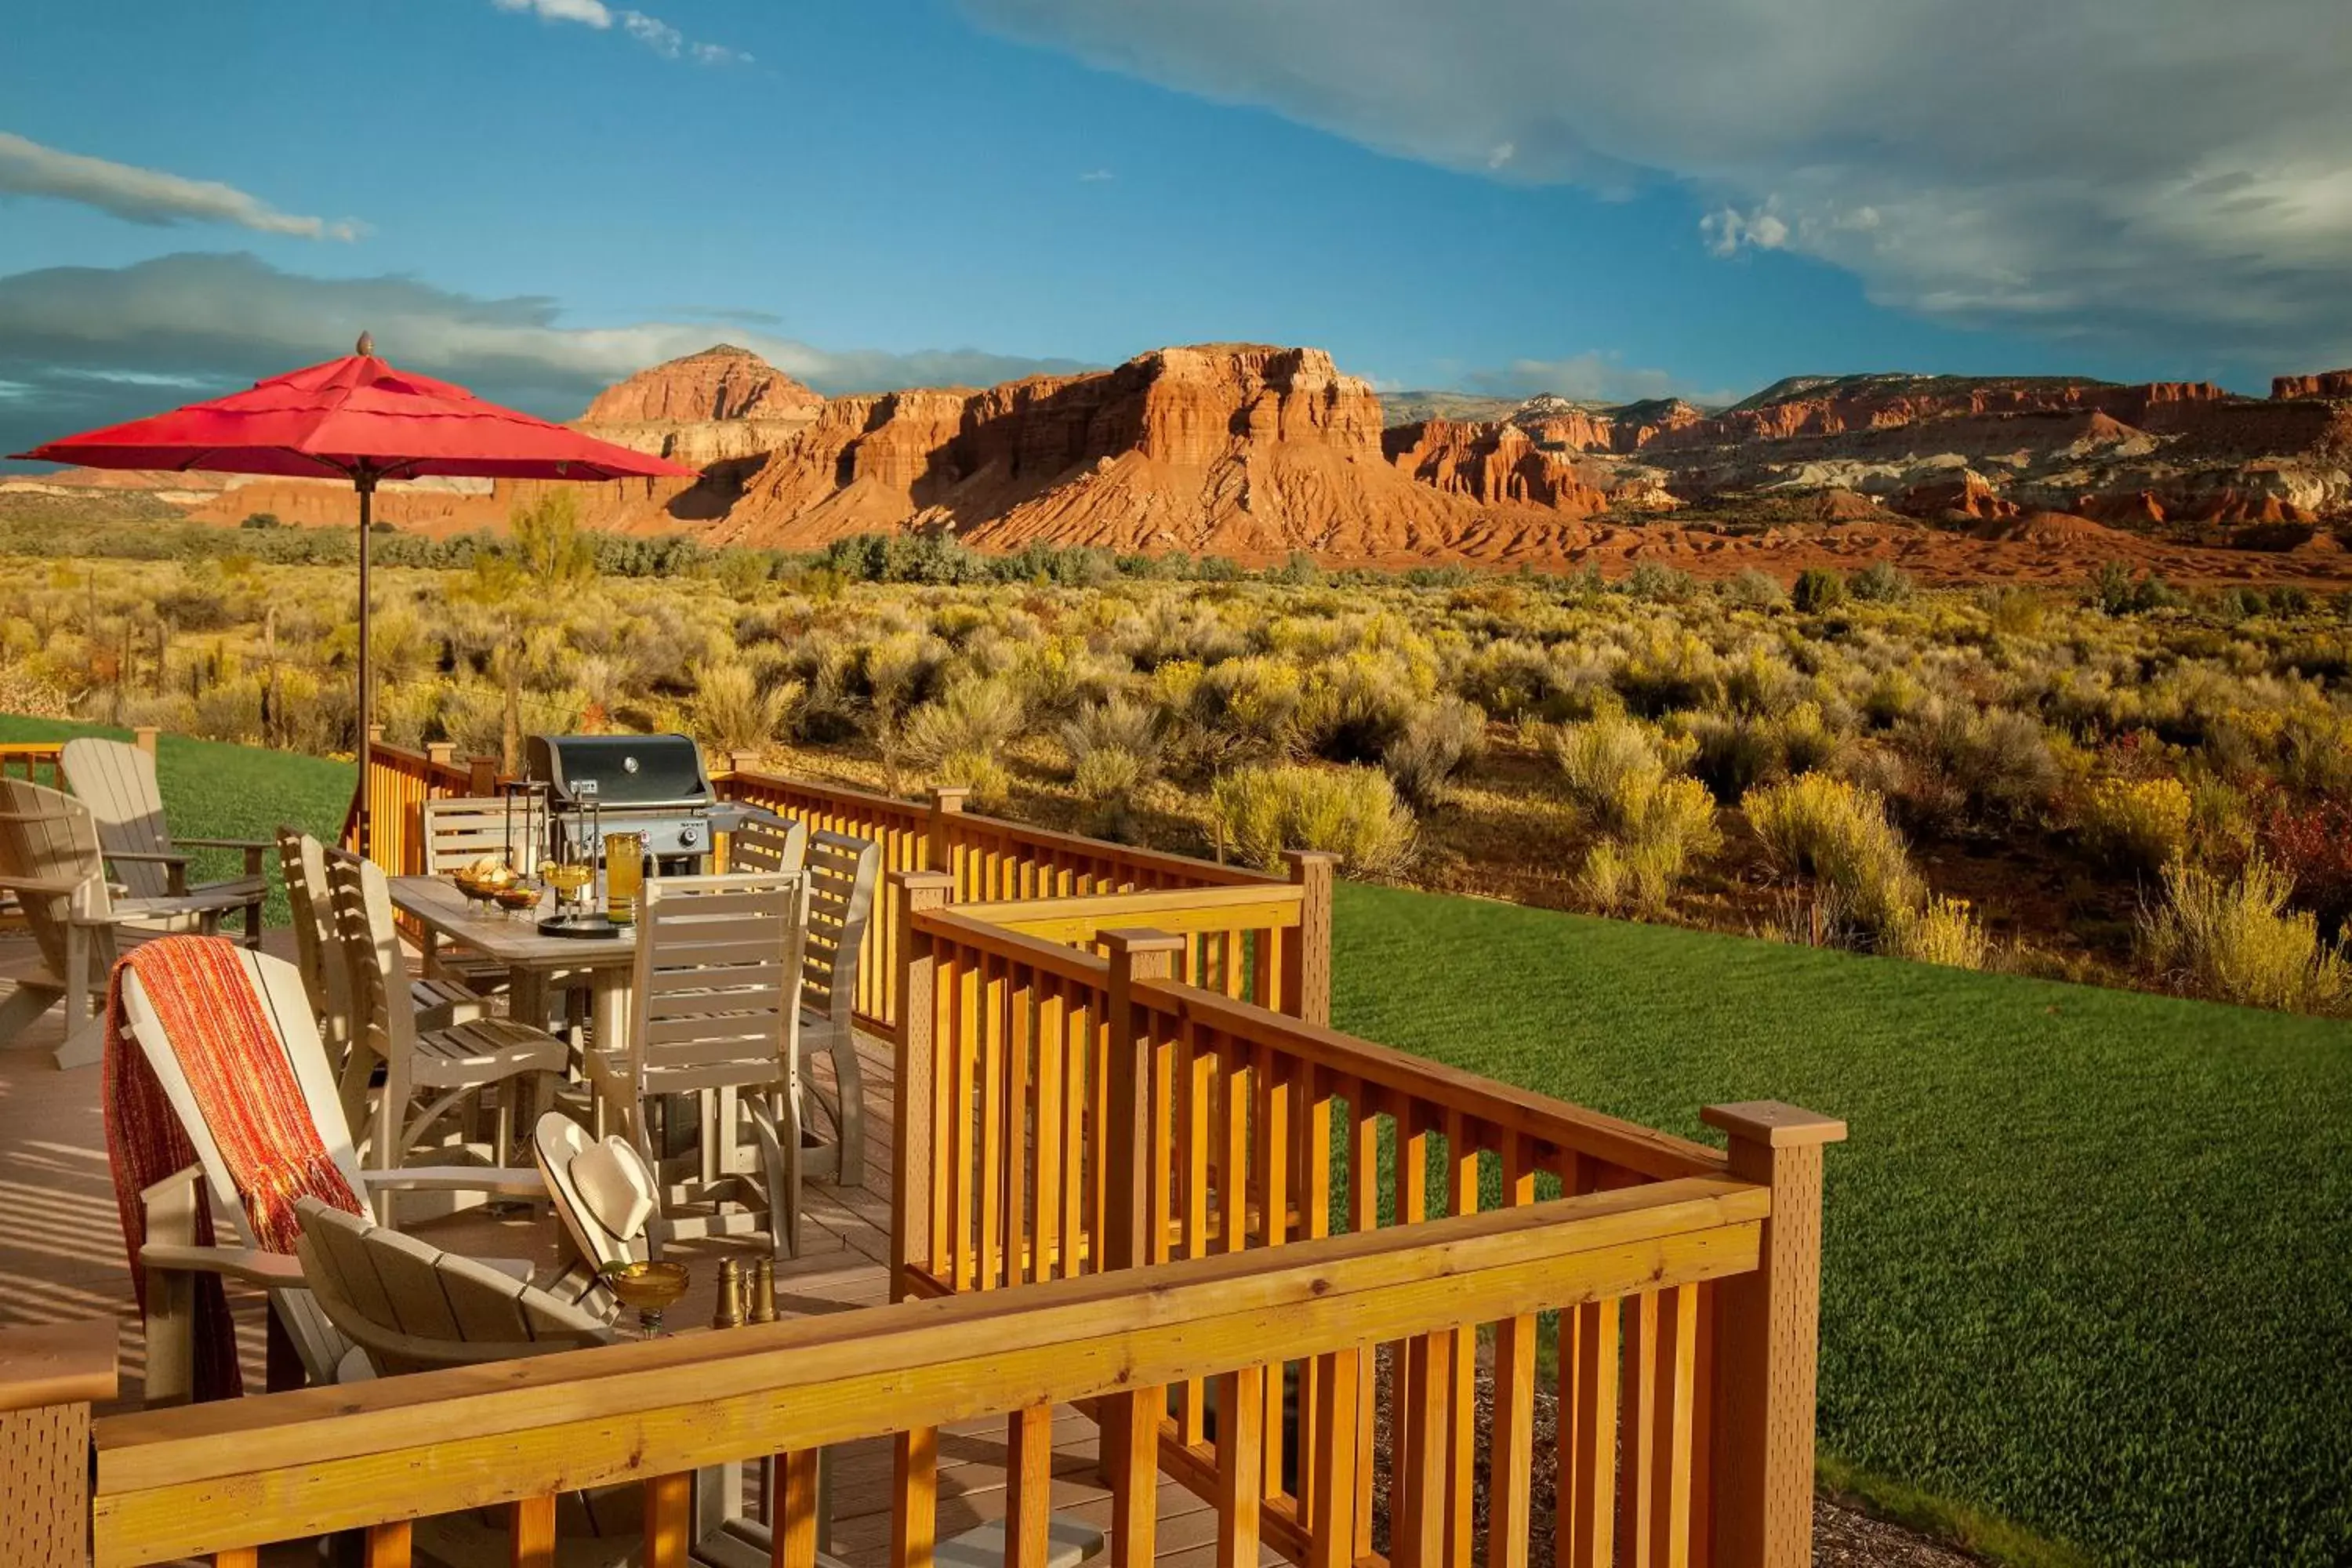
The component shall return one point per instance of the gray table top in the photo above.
(435, 903)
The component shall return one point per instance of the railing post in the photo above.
(441, 753)
(1135, 955)
(946, 801)
(1126, 1221)
(743, 762)
(49, 1377)
(1307, 979)
(482, 777)
(144, 737)
(914, 1158)
(1767, 1343)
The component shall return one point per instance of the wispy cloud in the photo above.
(1589, 377)
(91, 345)
(2168, 172)
(1095, 177)
(651, 31)
(148, 196)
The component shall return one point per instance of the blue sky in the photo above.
(1507, 195)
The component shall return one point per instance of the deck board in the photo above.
(61, 1258)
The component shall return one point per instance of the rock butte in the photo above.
(1255, 452)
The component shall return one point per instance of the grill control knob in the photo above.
(689, 836)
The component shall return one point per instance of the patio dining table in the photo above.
(443, 914)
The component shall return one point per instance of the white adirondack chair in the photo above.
(50, 860)
(443, 1066)
(843, 874)
(170, 1257)
(117, 782)
(715, 1013)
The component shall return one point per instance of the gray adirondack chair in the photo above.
(117, 782)
(52, 860)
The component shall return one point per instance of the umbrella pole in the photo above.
(364, 482)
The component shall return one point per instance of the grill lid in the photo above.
(620, 769)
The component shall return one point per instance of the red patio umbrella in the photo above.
(356, 418)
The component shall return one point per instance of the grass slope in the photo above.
(216, 791)
(2089, 1253)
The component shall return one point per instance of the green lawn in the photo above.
(2089, 1253)
(217, 791)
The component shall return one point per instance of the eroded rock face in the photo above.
(721, 383)
(2326, 383)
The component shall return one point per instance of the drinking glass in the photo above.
(625, 875)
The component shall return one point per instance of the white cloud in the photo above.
(651, 31)
(2166, 171)
(1095, 177)
(97, 344)
(147, 196)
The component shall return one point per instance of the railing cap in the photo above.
(1139, 938)
(57, 1363)
(1774, 1124)
(923, 878)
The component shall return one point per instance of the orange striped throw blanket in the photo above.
(223, 1036)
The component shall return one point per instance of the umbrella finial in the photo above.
(367, 345)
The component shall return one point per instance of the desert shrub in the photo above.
(1807, 739)
(1440, 739)
(1669, 668)
(1120, 726)
(2314, 845)
(1611, 766)
(1894, 695)
(980, 773)
(1990, 764)
(1637, 877)
(1264, 809)
(1882, 583)
(1826, 828)
(1250, 706)
(2233, 939)
(2135, 823)
(976, 716)
(731, 712)
(1356, 706)
(1756, 590)
(2016, 612)
(1108, 774)
(1735, 753)
(1659, 584)
(1817, 589)
(1940, 931)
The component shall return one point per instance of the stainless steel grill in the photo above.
(653, 784)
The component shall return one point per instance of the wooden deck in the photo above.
(61, 1258)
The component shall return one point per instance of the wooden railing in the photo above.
(1646, 1474)
(398, 785)
(990, 862)
(1070, 1105)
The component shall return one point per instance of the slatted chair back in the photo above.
(716, 997)
(466, 828)
(843, 874)
(384, 1021)
(117, 781)
(413, 1307)
(764, 842)
(48, 837)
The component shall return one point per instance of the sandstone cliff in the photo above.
(722, 404)
(2326, 383)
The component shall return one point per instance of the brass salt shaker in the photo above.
(729, 1313)
(763, 1289)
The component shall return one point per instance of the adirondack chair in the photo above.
(765, 842)
(117, 782)
(715, 1013)
(444, 1067)
(843, 872)
(170, 1257)
(50, 859)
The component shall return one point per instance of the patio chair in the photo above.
(303, 861)
(715, 1015)
(117, 782)
(461, 829)
(763, 841)
(171, 1259)
(445, 1066)
(843, 872)
(51, 861)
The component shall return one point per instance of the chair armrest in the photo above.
(253, 844)
(270, 1271)
(56, 886)
(515, 1182)
(160, 857)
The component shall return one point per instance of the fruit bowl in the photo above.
(516, 897)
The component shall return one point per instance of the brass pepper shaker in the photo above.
(764, 1290)
(729, 1314)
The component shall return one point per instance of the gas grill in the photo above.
(653, 784)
